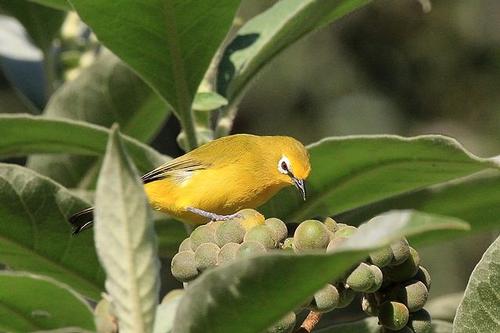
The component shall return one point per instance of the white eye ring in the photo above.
(284, 165)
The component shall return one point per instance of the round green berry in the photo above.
(262, 234)
(413, 294)
(205, 256)
(405, 270)
(400, 251)
(250, 249)
(424, 276)
(335, 243)
(325, 299)
(378, 278)
(285, 325)
(227, 253)
(202, 234)
(393, 315)
(230, 231)
(280, 231)
(361, 278)
(185, 245)
(382, 257)
(310, 235)
(330, 224)
(420, 322)
(183, 266)
(346, 231)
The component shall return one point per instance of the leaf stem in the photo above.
(310, 322)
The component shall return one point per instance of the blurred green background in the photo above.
(389, 68)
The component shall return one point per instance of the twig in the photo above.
(310, 322)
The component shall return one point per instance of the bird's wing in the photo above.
(177, 168)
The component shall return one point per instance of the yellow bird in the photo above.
(214, 181)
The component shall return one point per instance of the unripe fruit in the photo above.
(361, 278)
(183, 266)
(285, 325)
(420, 322)
(424, 276)
(262, 234)
(346, 296)
(172, 294)
(325, 299)
(205, 256)
(393, 315)
(280, 231)
(400, 251)
(202, 234)
(230, 231)
(335, 243)
(406, 270)
(287, 244)
(369, 304)
(250, 249)
(330, 224)
(185, 245)
(250, 218)
(227, 253)
(378, 278)
(346, 231)
(414, 295)
(382, 257)
(310, 235)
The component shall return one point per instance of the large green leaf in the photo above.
(126, 241)
(35, 235)
(348, 172)
(170, 43)
(24, 135)
(57, 4)
(480, 308)
(41, 23)
(267, 34)
(27, 304)
(475, 199)
(370, 325)
(249, 295)
(104, 93)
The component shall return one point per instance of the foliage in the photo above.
(190, 59)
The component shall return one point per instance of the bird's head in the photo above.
(291, 162)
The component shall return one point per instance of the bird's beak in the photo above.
(299, 184)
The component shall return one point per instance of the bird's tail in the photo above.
(82, 220)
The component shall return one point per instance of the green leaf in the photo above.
(41, 23)
(104, 93)
(480, 307)
(444, 307)
(267, 34)
(57, 4)
(208, 101)
(475, 199)
(126, 241)
(369, 325)
(27, 304)
(24, 135)
(35, 235)
(348, 172)
(249, 295)
(170, 43)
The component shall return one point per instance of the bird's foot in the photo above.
(212, 216)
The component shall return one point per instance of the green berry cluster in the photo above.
(392, 283)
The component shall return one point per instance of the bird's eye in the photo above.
(284, 165)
